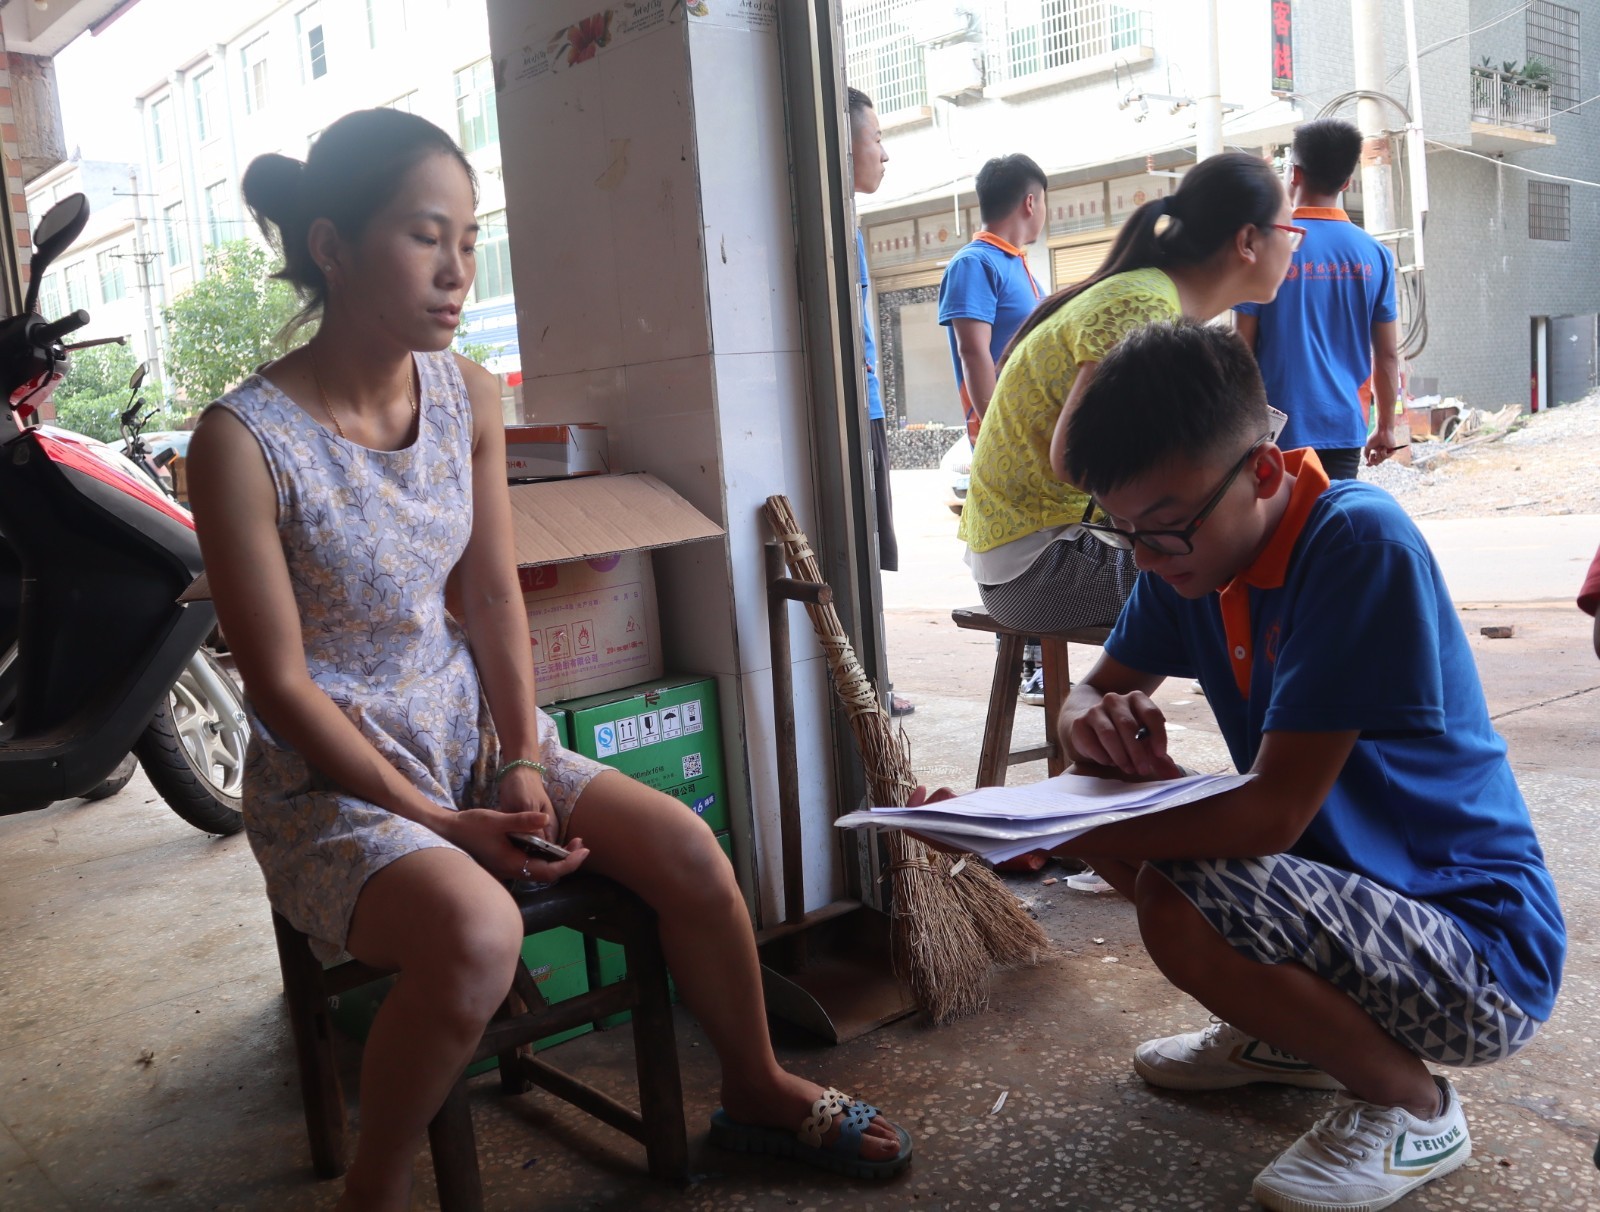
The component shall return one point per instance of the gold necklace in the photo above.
(327, 406)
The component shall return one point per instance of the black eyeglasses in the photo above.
(1165, 542)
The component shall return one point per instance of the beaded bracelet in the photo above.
(510, 766)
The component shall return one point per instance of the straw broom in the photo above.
(950, 918)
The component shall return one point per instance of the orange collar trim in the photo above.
(1268, 570)
(988, 237)
(1321, 212)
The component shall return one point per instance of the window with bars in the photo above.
(494, 258)
(253, 57)
(476, 117)
(1031, 36)
(406, 103)
(882, 59)
(176, 234)
(112, 284)
(1553, 40)
(1549, 210)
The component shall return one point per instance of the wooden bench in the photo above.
(997, 756)
(590, 904)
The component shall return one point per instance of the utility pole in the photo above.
(1208, 107)
(1377, 168)
(142, 258)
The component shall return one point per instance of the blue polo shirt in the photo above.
(1314, 344)
(869, 344)
(1361, 635)
(987, 280)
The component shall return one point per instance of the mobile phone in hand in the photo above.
(538, 847)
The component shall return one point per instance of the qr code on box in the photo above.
(692, 768)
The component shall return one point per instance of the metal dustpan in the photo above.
(830, 971)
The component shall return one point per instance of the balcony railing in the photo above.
(1023, 41)
(1499, 99)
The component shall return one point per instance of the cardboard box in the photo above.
(668, 735)
(555, 958)
(587, 582)
(542, 452)
(592, 624)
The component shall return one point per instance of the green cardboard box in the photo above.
(666, 734)
(554, 957)
(563, 724)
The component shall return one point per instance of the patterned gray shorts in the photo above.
(1078, 582)
(1405, 962)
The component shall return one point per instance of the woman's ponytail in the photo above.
(1215, 199)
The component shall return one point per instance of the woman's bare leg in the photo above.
(654, 845)
(454, 934)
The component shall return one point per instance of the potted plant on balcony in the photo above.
(1539, 74)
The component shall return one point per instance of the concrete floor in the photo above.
(145, 1062)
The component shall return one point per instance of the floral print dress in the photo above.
(370, 537)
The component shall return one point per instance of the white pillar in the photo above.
(1366, 25)
(1208, 116)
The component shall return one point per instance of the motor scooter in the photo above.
(134, 445)
(97, 656)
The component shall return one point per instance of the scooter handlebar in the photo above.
(50, 334)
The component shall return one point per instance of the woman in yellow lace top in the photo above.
(1223, 238)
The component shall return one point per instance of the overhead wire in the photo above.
(1532, 172)
(1444, 42)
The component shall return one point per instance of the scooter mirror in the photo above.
(61, 225)
(136, 380)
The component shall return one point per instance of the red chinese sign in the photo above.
(1282, 47)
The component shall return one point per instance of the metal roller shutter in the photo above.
(1075, 262)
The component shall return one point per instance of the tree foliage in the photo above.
(94, 392)
(228, 323)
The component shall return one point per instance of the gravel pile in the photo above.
(1548, 464)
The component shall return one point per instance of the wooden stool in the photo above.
(586, 903)
(997, 755)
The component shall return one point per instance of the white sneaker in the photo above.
(1032, 689)
(1219, 1058)
(1362, 1157)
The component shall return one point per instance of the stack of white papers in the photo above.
(999, 823)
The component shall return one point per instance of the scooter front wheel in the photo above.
(193, 749)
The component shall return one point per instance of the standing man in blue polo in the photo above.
(1333, 322)
(987, 290)
(867, 158)
(986, 293)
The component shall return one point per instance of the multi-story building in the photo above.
(1104, 95)
(110, 270)
(270, 75)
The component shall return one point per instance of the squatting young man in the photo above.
(1375, 898)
